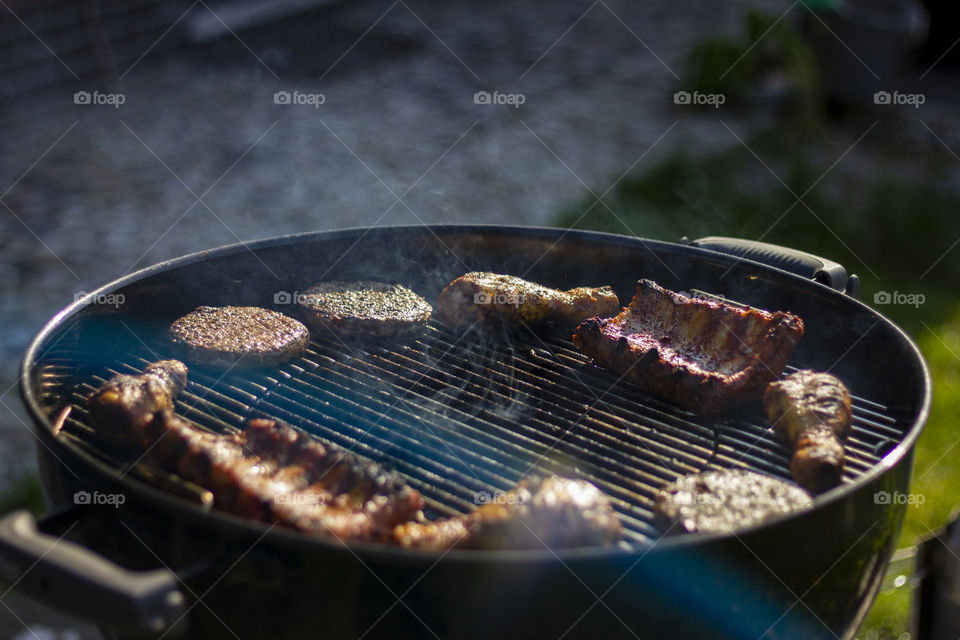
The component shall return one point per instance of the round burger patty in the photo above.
(242, 337)
(723, 501)
(363, 308)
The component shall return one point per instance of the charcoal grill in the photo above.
(462, 417)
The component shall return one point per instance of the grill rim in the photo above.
(149, 493)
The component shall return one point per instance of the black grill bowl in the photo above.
(462, 417)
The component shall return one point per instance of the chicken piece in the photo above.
(703, 355)
(360, 309)
(724, 501)
(121, 408)
(811, 413)
(273, 473)
(491, 300)
(553, 513)
(238, 337)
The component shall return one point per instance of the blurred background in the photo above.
(134, 132)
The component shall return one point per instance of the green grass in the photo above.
(884, 222)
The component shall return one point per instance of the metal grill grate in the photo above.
(462, 419)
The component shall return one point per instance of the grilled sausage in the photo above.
(811, 413)
(539, 513)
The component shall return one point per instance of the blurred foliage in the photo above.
(770, 57)
(26, 492)
(884, 220)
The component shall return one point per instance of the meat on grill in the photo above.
(491, 300)
(539, 513)
(704, 355)
(358, 309)
(268, 471)
(126, 403)
(811, 413)
(273, 473)
(238, 337)
(724, 501)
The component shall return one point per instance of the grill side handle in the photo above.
(78, 581)
(801, 263)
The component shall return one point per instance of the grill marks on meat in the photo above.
(492, 300)
(553, 512)
(811, 413)
(724, 501)
(273, 473)
(126, 403)
(356, 309)
(240, 337)
(703, 355)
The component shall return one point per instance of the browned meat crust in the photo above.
(126, 403)
(356, 309)
(492, 300)
(811, 412)
(273, 473)
(703, 355)
(553, 513)
(724, 501)
(238, 337)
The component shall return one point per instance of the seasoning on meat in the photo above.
(273, 473)
(724, 501)
(811, 413)
(238, 337)
(493, 300)
(126, 403)
(539, 513)
(704, 355)
(356, 309)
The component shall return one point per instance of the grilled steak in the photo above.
(355, 309)
(811, 413)
(724, 501)
(273, 473)
(126, 403)
(703, 355)
(238, 337)
(553, 513)
(493, 300)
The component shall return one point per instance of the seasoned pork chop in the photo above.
(492, 300)
(703, 355)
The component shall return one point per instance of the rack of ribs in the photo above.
(703, 355)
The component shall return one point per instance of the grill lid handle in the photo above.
(83, 583)
(801, 263)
